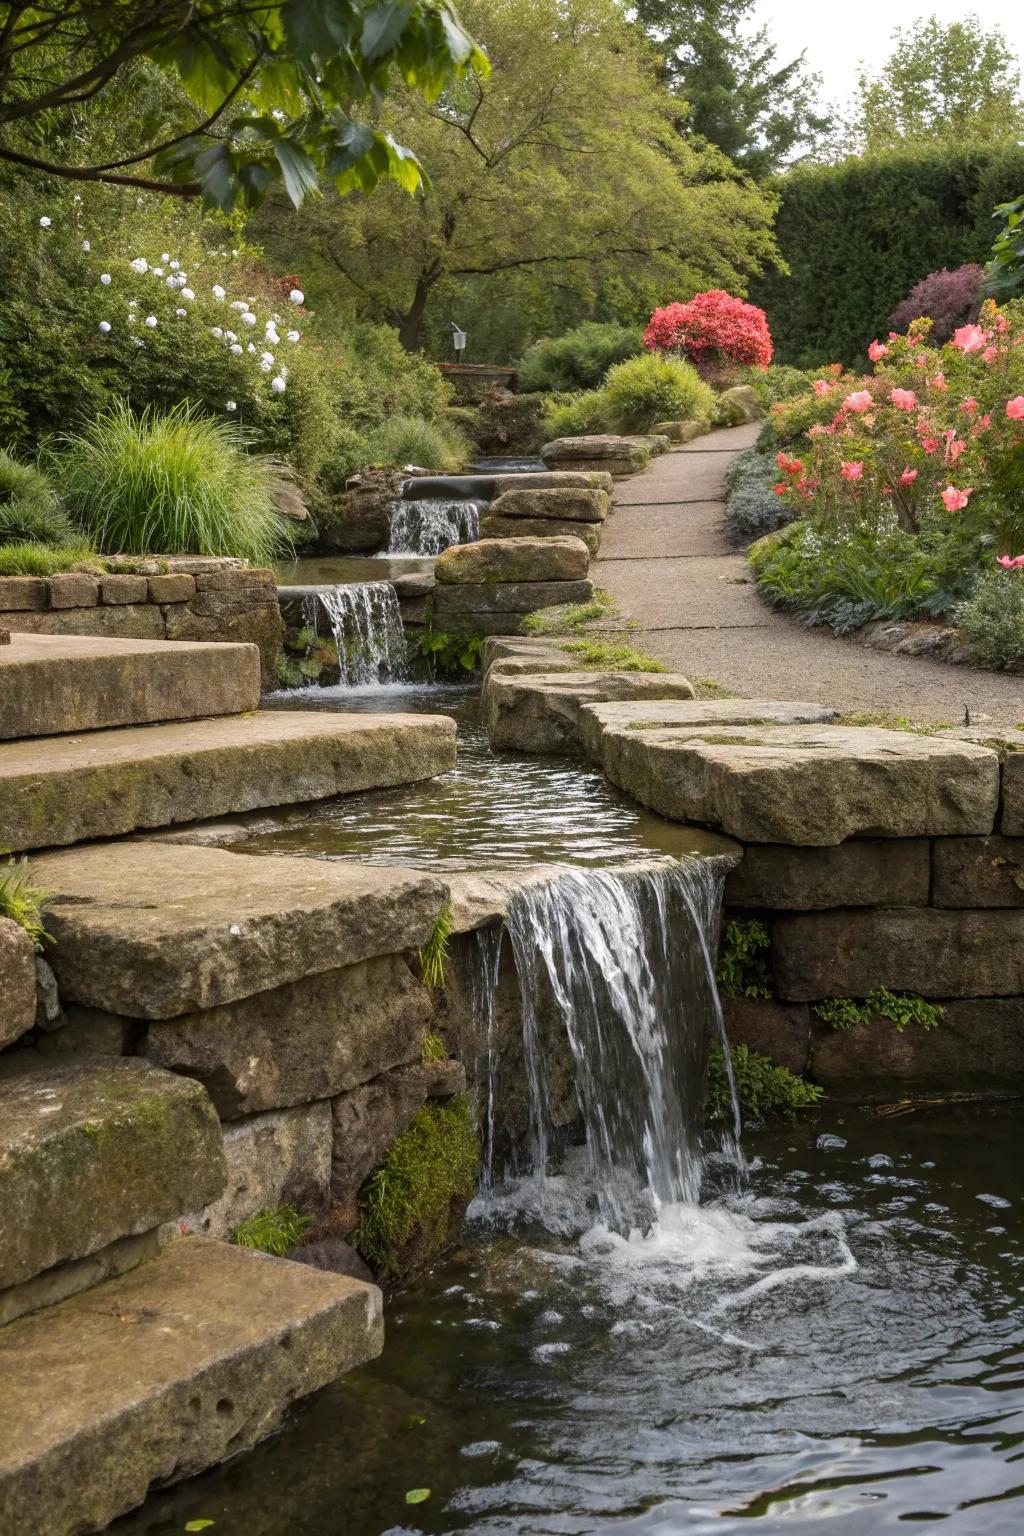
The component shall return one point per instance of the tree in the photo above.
(737, 94)
(955, 83)
(273, 88)
(564, 162)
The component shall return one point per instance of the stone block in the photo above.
(306, 1040)
(73, 589)
(540, 712)
(368, 1119)
(780, 1031)
(17, 982)
(513, 560)
(163, 1372)
(283, 1156)
(551, 480)
(63, 1280)
(933, 953)
(617, 455)
(121, 589)
(978, 872)
(154, 930)
(172, 589)
(977, 1048)
(809, 785)
(87, 1032)
(567, 504)
(873, 872)
(601, 725)
(18, 593)
(94, 1151)
(508, 598)
(124, 621)
(492, 527)
(1012, 822)
(246, 616)
(236, 579)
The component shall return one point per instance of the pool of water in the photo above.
(338, 570)
(835, 1346)
(492, 810)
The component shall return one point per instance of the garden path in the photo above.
(665, 560)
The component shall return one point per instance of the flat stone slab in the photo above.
(568, 504)
(153, 930)
(868, 872)
(513, 560)
(598, 721)
(527, 653)
(495, 527)
(508, 598)
(69, 789)
(53, 684)
(94, 1151)
(163, 1372)
(809, 785)
(17, 982)
(618, 455)
(539, 712)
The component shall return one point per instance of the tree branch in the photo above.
(92, 174)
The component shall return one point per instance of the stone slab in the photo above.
(154, 930)
(869, 872)
(520, 654)
(495, 527)
(977, 1048)
(63, 1280)
(70, 789)
(781, 1031)
(508, 598)
(598, 721)
(94, 1151)
(513, 560)
(121, 621)
(283, 1156)
(168, 1370)
(617, 455)
(50, 685)
(371, 1117)
(543, 504)
(933, 953)
(809, 785)
(540, 712)
(17, 982)
(307, 1040)
(978, 872)
(19, 594)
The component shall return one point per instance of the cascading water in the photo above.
(367, 627)
(428, 526)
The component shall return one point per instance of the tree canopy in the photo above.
(273, 88)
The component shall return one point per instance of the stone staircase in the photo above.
(196, 986)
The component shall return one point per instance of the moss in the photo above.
(732, 741)
(23, 902)
(889, 721)
(901, 1008)
(708, 688)
(743, 961)
(765, 1091)
(566, 618)
(613, 654)
(408, 1207)
(275, 1231)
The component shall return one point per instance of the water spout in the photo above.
(428, 526)
(366, 625)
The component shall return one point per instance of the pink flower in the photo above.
(983, 422)
(908, 477)
(781, 488)
(938, 382)
(1015, 408)
(852, 471)
(822, 387)
(970, 405)
(903, 399)
(954, 500)
(789, 466)
(1011, 562)
(930, 444)
(860, 400)
(990, 354)
(877, 351)
(969, 338)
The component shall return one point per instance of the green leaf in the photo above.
(198, 1525)
(298, 170)
(315, 29)
(415, 1420)
(383, 27)
(417, 1495)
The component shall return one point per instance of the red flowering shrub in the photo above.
(711, 331)
(949, 298)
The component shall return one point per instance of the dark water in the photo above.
(493, 809)
(840, 1348)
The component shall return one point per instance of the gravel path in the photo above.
(665, 560)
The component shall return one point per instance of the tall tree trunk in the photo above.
(410, 325)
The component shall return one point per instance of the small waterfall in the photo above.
(367, 627)
(618, 964)
(427, 527)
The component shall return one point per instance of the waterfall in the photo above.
(427, 527)
(367, 628)
(618, 965)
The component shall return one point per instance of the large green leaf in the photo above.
(297, 169)
(383, 26)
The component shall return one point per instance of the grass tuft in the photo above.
(615, 655)
(275, 1231)
(568, 617)
(32, 559)
(22, 901)
(435, 951)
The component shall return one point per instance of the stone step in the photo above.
(163, 1372)
(69, 789)
(599, 723)
(540, 712)
(53, 684)
(153, 930)
(93, 1151)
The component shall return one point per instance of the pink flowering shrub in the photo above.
(713, 331)
(948, 298)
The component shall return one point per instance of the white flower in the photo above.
(266, 357)
(139, 265)
(250, 347)
(234, 253)
(138, 341)
(86, 246)
(239, 304)
(174, 265)
(105, 279)
(133, 304)
(166, 256)
(105, 327)
(271, 332)
(187, 293)
(230, 336)
(44, 222)
(157, 271)
(236, 349)
(216, 331)
(265, 367)
(293, 336)
(278, 385)
(248, 318)
(230, 405)
(297, 297)
(181, 311)
(172, 281)
(218, 292)
(77, 197)
(150, 321)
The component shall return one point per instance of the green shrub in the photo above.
(275, 1231)
(172, 483)
(42, 560)
(655, 388)
(22, 901)
(752, 508)
(444, 653)
(576, 415)
(778, 382)
(901, 1008)
(580, 358)
(743, 962)
(30, 512)
(413, 440)
(764, 1090)
(993, 617)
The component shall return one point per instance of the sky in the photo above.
(838, 37)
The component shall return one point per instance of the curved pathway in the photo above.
(665, 560)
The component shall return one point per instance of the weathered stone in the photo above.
(551, 480)
(936, 954)
(513, 560)
(492, 527)
(246, 578)
(977, 1048)
(19, 593)
(118, 589)
(17, 982)
(69, 789)
(370, 1118)
(873, 872)
(334, 1255)
(88, 1032)
(978, 872)
(72, 589)
(280, 1157)
(540, 712)
(122, 621)
(247, 615)
(50, 685)
(49, 1011)
(164, 1372)
(172, 589)
(306, 1040)
(681, 431)
(569, 504)
(653, 442)
(413, 584)
(527, 653)
(510, 597)
(778, 1030)
(63, 1280)
(742, 403)
(600, 720)
(813, 785)
(1012, 822)
(153, 930)
(93, 1151)
(617, 455)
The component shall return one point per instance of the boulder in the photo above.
(869, 872)
(17, 982)
(680, 431)
(492, 527)
(369, 1118)
(741, 403)
(500, 561)
(567, 505)
(539, 712)
(617, 455)
(283, 1156)
(551, 480)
